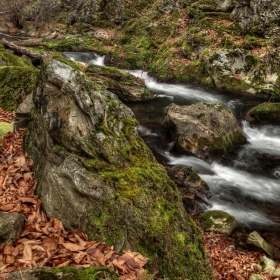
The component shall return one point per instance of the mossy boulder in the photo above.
(266, 112)
(94, 172)
(218, 221)
(204, 130)
(127, 87)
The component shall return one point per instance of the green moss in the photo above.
(12, 59)
(4, 128)
(144, 190)
(266, 112)
(16, 83)
(207, 218)
(72, 273)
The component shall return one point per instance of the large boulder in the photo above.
(127, 87)
(204, 130)
(94, 172)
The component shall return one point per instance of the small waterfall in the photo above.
(86, 58)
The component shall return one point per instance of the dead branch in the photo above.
(36, 57)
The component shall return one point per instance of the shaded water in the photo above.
(242, 187)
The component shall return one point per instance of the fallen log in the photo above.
(29, 42)
(36, 57)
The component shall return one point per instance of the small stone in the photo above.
(11, 225)
(267, 264)
(255, 240)
(259, 267)
(256, 277)
(218, 221)
(276, 272)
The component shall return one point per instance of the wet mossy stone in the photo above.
(204, 130)
(127, 87)
(95, 172)
(266, 112)
(218, 221)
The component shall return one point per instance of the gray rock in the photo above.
(255, 240)
(127, 87)
(256, 277)
(218, 221)
(204, 130)
(23, 113)
(267, 264)
(11, 225)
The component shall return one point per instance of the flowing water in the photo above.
(242, 187)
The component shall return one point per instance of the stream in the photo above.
(240, 187)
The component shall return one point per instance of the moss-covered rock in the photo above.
(204, 130)
(96, 173)
(218, 221)
(18, 78)
(127, 87)
(266, 112)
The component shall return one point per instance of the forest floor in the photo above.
(45, 242)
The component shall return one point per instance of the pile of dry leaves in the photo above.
(45, 242)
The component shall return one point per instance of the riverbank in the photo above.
(39, 236)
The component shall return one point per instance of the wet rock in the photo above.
(268, 160)
(23, 113)
(204, 130)
(127, 87)
(218, 221)
(266, 112)
(11, 225)
(194, 191)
